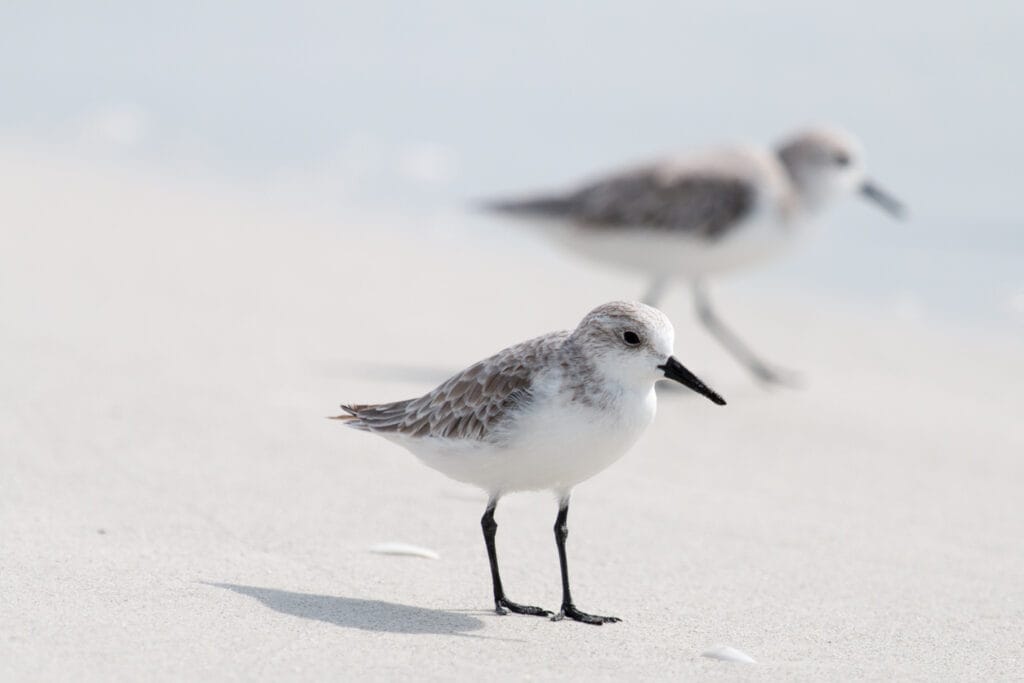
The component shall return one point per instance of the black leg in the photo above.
(569, 610)
(502, 605)
(734, 345)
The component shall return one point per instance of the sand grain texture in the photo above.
(174, 505)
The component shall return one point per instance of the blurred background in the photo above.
(426, 107)
(220, 220)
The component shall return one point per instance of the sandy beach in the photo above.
(173, 504)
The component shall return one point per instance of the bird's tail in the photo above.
(381, 417)
(351, 417)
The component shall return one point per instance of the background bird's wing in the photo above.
(473, 404)
(700, 203)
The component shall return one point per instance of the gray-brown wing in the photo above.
(473, 404)
(702, 204)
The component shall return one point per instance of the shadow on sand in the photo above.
(366, 615)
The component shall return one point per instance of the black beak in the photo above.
(675, 370)
(883, 199)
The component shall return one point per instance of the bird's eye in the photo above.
(631, 338)
(841, 159)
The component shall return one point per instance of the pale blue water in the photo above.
(423, 105)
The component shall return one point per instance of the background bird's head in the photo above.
(826, 163)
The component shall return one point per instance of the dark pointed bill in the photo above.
(676, 371)
(876, 194)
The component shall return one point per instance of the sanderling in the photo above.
(695, 216)
(545, 414)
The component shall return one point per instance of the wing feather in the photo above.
(701, 203)
(473, 404)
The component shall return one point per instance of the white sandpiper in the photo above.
(694, 216)
(545, 414)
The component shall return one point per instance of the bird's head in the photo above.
(826, 163)
(631, 343)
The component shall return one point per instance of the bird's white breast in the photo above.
(556, 443)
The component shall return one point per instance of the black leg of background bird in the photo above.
(502, 605)
(569, 610)
(734, 345)
(655, 291)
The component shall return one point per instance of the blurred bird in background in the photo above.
(694, 216)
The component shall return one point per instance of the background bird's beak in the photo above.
(675, 370)
(876, 194)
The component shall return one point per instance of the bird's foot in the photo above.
(569, 611)
(773, 375)
(504, 606)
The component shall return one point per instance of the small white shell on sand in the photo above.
(404, 549)
(728, 654)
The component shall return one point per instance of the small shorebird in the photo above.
(695, 216)
(545, 414)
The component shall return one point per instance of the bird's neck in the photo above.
(582, 375)
(808, 197)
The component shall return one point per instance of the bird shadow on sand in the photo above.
(364, 615)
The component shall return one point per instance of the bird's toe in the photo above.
(570, 612)
(506, 606)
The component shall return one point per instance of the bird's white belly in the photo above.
(664, 252)
(554, 448)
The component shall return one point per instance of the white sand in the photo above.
(174, 505)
